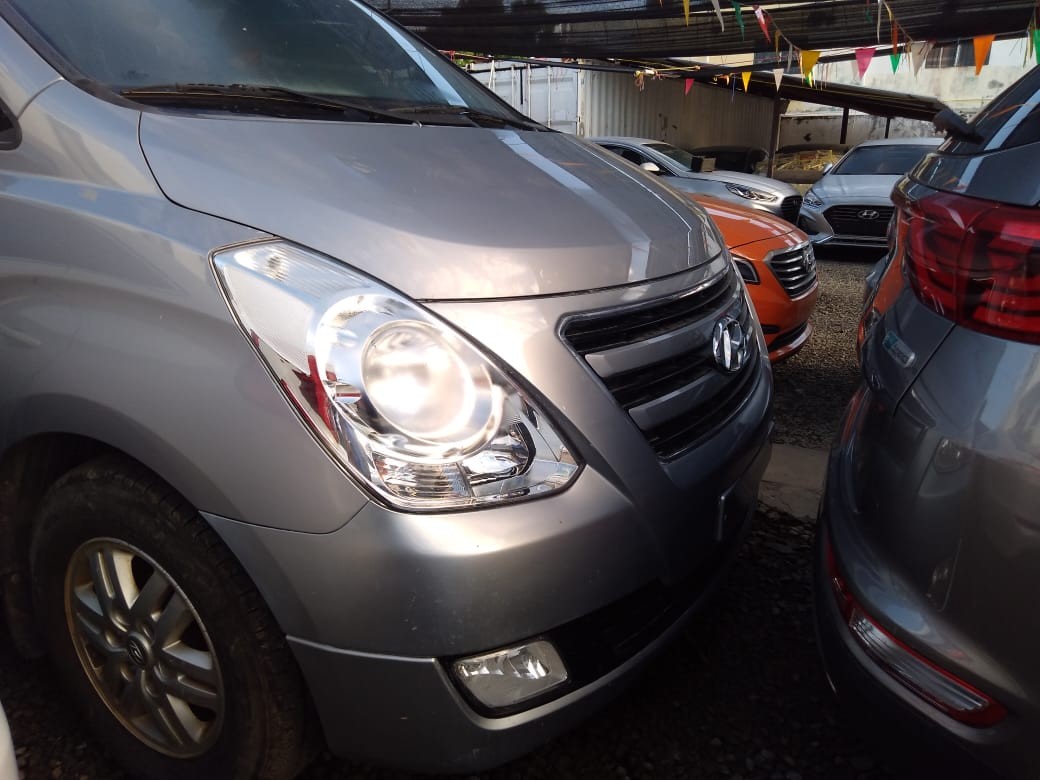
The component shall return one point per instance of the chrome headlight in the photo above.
(750, 193)
(812, 200)
(413, 410)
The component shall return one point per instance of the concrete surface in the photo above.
(793, 481)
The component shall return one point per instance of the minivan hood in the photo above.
(436, 212)
(865, 186)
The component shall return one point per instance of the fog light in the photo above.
(507, 677)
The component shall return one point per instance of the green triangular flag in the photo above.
(895, 57)
(740, 17)
(1036, 44)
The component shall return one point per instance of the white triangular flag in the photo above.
(778, 76)
(919, 51)
(718, 13)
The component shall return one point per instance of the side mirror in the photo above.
(827, 168)
(650, 167)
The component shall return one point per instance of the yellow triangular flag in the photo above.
(809, 58)
(745, 76)
(982, 46)
(686, 11)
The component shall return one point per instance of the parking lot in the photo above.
(740, 695)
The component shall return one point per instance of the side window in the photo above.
(10, 134)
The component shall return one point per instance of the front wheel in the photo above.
(160, 634)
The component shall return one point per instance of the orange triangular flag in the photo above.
(745, 76)
(982, 46)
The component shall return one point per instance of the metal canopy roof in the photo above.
(656, 28)
(870, 101)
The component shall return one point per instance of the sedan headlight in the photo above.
(812, 200)
(751, 193)
(413, 410)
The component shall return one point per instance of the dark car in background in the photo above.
(928, 558)
(742, 159)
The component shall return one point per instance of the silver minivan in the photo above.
(341, 404)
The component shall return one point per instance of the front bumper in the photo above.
(822, 233)
(375, 612)
(406, 712)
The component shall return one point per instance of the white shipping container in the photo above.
(593, 103)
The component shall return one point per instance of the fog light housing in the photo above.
(511, 676)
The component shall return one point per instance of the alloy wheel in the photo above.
(144, 648)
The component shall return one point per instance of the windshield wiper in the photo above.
(267, 98)
(476, 117)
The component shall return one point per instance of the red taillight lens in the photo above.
(976, 262)
(944, 691)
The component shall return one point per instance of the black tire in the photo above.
(264, 726)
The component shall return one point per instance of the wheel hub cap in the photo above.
(144, 648)
(139, 652)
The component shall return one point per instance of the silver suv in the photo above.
(313, 431)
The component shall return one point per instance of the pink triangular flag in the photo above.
(689, 86)
(864, 57)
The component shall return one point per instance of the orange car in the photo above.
(777, 262)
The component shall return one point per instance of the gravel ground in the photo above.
(813, 387)
(740, 696)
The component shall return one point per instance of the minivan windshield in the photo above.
(884, 160)
(334, 48)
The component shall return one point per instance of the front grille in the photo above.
(789, 207)
(859, 220)
(657, 362)
(795, 270)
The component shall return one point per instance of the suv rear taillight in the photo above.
(976, 262)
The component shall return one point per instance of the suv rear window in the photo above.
(1011, 119)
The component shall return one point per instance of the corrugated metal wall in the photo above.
(613, 105)
(593, 103)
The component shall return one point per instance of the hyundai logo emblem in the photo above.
(729, 345)
(809, 260)
(870, 214)
(136, 652)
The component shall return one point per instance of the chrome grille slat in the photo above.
(789, 269)
(656, 361)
